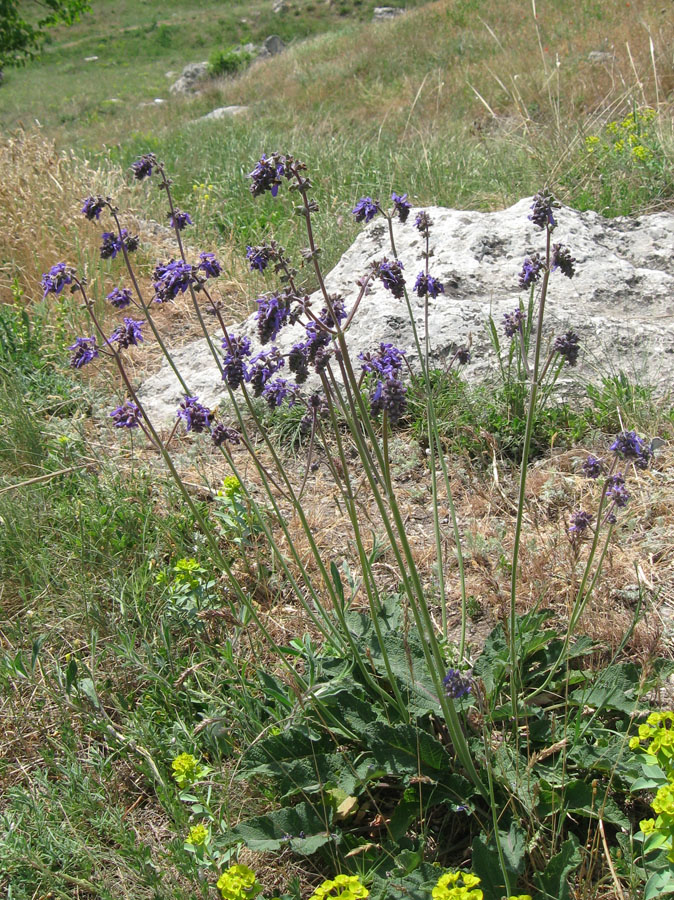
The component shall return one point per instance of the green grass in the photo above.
(109, 671)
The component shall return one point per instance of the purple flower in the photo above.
(568, 346)
(129, 334)
(562, 260)
(532, 269)
(365, 210)
(316, 408)
(267, 174)
(113, 244)
(426, 285)
(120, 297)
(456, 684)
(463, 356)
(56, 279)
(209, 265)
(401, 206)
(512, 322)
(423, 223)
(93, 207)
(541, 210)
(629, 445)
(223, 434)
(197, 417)
(234, 365)
(338, 308)
(388, 360)
(127, 415)
(262, 367)
(259, 257)
(170, 279)
(143, 166)
(298, 362)
(391, 276)
(179, 219)
(275, 392)
(616, 490)
(271, 316)
(580, 520)
(84, 350)
(389, 395)
(593, 467)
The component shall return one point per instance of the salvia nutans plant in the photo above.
(399, 764)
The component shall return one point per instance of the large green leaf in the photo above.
(487, 863)
(301, 827)
(553, 881)
(616, 687)
(578, 798)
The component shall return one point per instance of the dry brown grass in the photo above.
(513, 65)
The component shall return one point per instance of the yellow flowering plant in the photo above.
(457, 886)
(238, 882)
(341, 887)
(187, 770)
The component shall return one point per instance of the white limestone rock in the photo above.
(621, 300)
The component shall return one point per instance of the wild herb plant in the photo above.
(389, 751)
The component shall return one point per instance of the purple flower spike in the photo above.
(427, 286)
(223, 434)
(463, 356)
(84, 350)
(93, 207)
(391, 276)
(126, 416)
(196, 417)
(568, 347)
(179, 219)
(209, 265)
(541, 210)
(113, 244)
(275, 392)
(170, 279)
(456, 684)
(593, 467)
(423, 223)
(56, 279)
(512, 322)
(267, 175)
(143, 166)
(235, 371)
(580, 521)
(562, 260)
(129, 334)
(532, 269)
(120, 297)
(298, 362)
(616, 490)
(271, 316)
(262, 367)
(629, 445)
(401, 206)
(365, 210)
(387, 361)
(259, 257)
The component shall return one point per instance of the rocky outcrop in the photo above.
(189, 80)
(620, 301)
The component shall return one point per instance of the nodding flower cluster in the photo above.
(269, 173)
(388, 393)
(112, 244)
(170, 279)
(568, 347)
(179, 219)
(532, 269)
(366, 208)
(57, 278)
(541, 210)
(427, 286)
(93, 207)
(629, 447)
(390, 273)
(127, 415)
(512, 322)
(457, 684)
